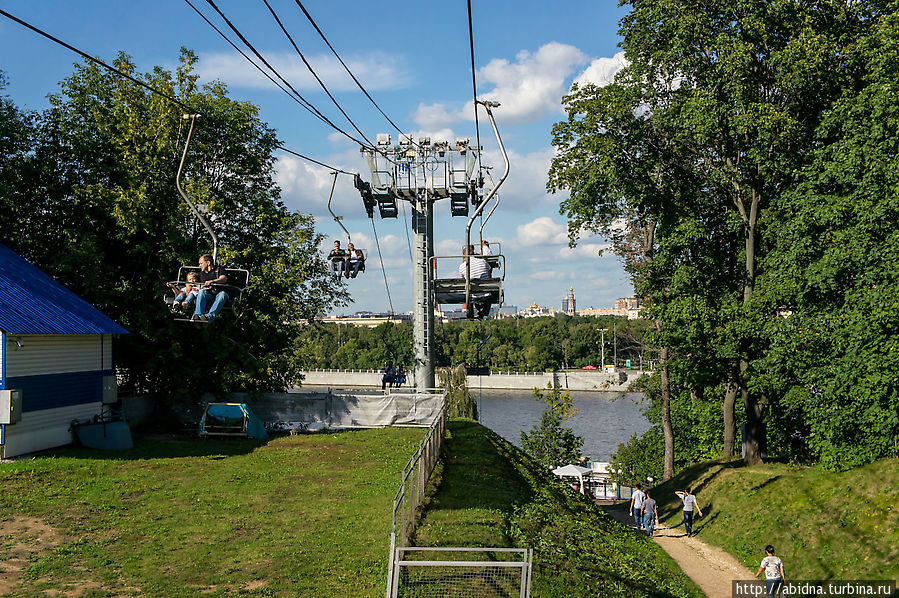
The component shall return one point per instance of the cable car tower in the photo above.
(422, 173)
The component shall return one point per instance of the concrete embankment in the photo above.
(584, 380)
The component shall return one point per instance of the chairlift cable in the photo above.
(474, 87)
(352, 76)
(406, 228)
(189, 109)
(311, 70)
(383, 270)
(258, 55)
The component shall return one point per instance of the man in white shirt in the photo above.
(637, 499)
(479, 267)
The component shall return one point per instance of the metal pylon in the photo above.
(423, 292)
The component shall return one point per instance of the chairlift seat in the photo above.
(238, 281)
(483, 290)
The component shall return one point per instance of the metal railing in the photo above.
(462, 572)
(408, 496)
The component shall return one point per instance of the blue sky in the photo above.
(413, 57)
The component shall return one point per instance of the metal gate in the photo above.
(464, 572)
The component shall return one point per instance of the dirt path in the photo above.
(710, 567)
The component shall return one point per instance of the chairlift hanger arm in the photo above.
(193, 208)
(496, 205)
(335, 216)
(487, 105)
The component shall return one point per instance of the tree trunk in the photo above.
(667, 430)
(727, 410)
(755, 423)
(755, 430)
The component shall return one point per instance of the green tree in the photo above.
(549, 442)
(832, 272)
(114, 231)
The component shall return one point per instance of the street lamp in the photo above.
(603, 341)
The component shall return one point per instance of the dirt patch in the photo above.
(709, 567)
(22, 541)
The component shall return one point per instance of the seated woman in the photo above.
(355, 262)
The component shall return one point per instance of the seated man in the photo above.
(355, 261)
(338, 260)
(479, 269)
(211, 276)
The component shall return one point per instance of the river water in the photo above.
(603, 419)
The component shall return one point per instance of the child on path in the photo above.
(774, 571)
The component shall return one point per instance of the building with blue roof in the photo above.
(56, 360)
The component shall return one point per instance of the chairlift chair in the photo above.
(238, 280)
(367, 198)
(484, 292)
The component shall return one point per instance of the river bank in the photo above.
(582, 380)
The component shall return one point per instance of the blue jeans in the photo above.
(688, 521)
(185, 297)
(337, 267)
(203, 298)
(638, 518)
(773, 585)
(649, 522)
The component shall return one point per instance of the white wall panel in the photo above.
(44, 429)
(57, 354)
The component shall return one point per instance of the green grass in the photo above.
(824, 525)
(304, 515)
(487, 492)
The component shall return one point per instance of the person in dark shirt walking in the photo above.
(650, 513)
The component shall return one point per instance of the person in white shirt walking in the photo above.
(689, 505)
(637, 499)
(774, 571)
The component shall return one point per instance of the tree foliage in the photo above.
(756, 142)
(550, 443)
(97, 195)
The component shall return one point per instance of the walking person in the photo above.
(650, 514)
(690, 505)
(637, 499)
(774, 571)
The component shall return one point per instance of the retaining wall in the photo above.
(570, 379)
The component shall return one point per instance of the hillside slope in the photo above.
(824, 525)
(487, 492)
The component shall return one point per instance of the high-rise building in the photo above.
(572, 306)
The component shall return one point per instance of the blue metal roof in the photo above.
(32, 302)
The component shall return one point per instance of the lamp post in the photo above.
(603, 346)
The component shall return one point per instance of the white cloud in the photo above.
(542, 231)
(376, 70)
(602, 71)
(528, 89)
(548, 275)
(525, 187)
(305, 187)
(583, 250)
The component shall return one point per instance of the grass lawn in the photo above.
(304, 515)
(486, 492)
(824, 525)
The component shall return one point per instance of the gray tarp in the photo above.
(345, 410)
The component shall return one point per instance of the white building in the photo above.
(56, 361)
